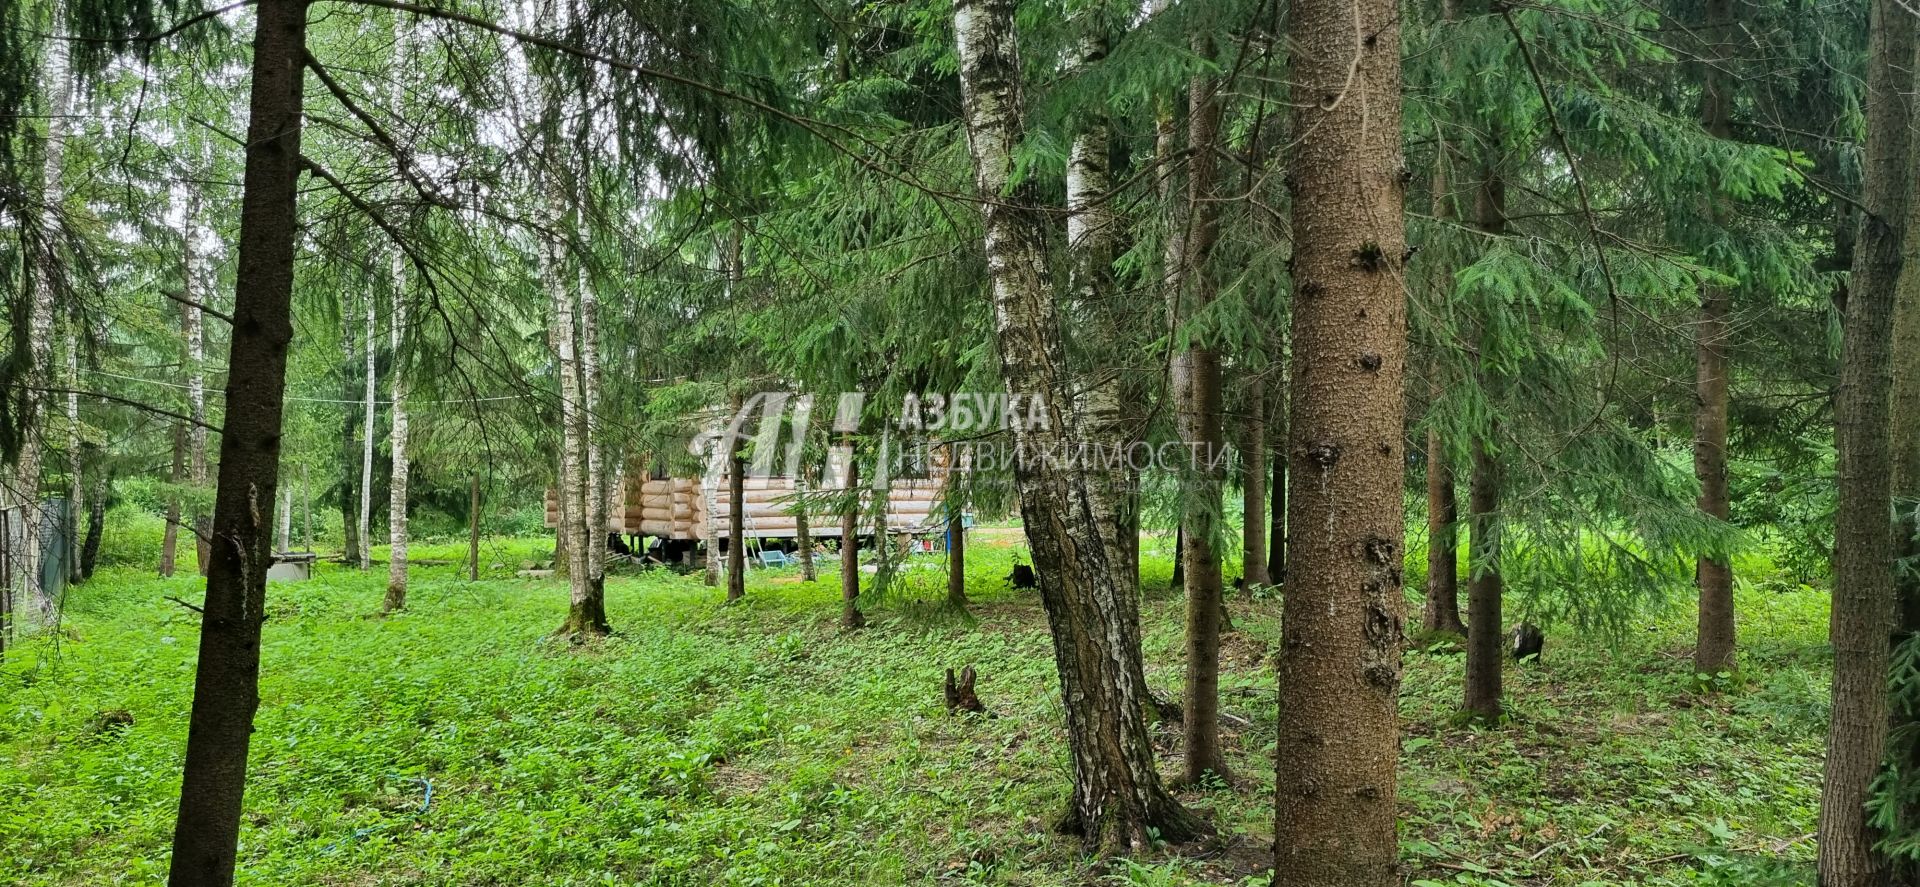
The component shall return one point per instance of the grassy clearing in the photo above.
(758, 745)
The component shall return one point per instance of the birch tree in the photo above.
(366, 430)
(396, 598)
(582, 618)
(598, 480)
(1117, 795)
(199, 290)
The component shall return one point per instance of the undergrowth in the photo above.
(760, 745)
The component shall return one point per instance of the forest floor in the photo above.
(760, 745)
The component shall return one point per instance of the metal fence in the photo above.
(33, 574)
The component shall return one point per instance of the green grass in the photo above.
(758, 744)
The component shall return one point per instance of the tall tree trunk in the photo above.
(956, 557)
(55, 79)
(1714, 647)
(1277, 494)
(1863, 587)
(1179, 577)
(396, 598)
(1485, 588)
(803, 532)
(1091, 233)
(306, 510)
(366, 455)
(586, 612)
(850, 615)
(599, 474)
(96, 527)
(349, 441)
(1904, 408)
(76, 495)
(1199, 403)
(283, 541)
(1442, 611)
(562, 535)
(711, 535)
(170, 540)
(1253, 488)
(473, 527)
(200, 287)
(1117, 796)
(226, 683)
(1341, 627)
(736, 521)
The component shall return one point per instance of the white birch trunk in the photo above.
(1117, 796)
(397, 381)
(285, 541)
(1090, 246)
(573, 482)
(596, 487)
(199, 289)
(306, 510)
(366, 458)
(75, 493)
(397, 488)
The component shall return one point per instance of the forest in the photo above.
(1310, 443)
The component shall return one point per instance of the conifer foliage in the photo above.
(1618, 289)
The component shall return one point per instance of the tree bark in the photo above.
(1179, 577)
(1904, 408)
(956, 557)
(1714, 647)
(170, 540)
(1091, 246)
(96, 528)
(803, 533)
(396, 598)
(349, 441)
(366, 456)
(1253, 488)
(226, 683)
(1198, 400)
(1482, 696)
(1442, 611)
(200, 287)
(586, 611)
(850, 615)
(76, 495)
(1341, 628)
(1863, 588)
(1277, 494)
(598, 472)
(736, 522)
(1485, 588)
(1117, 796)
